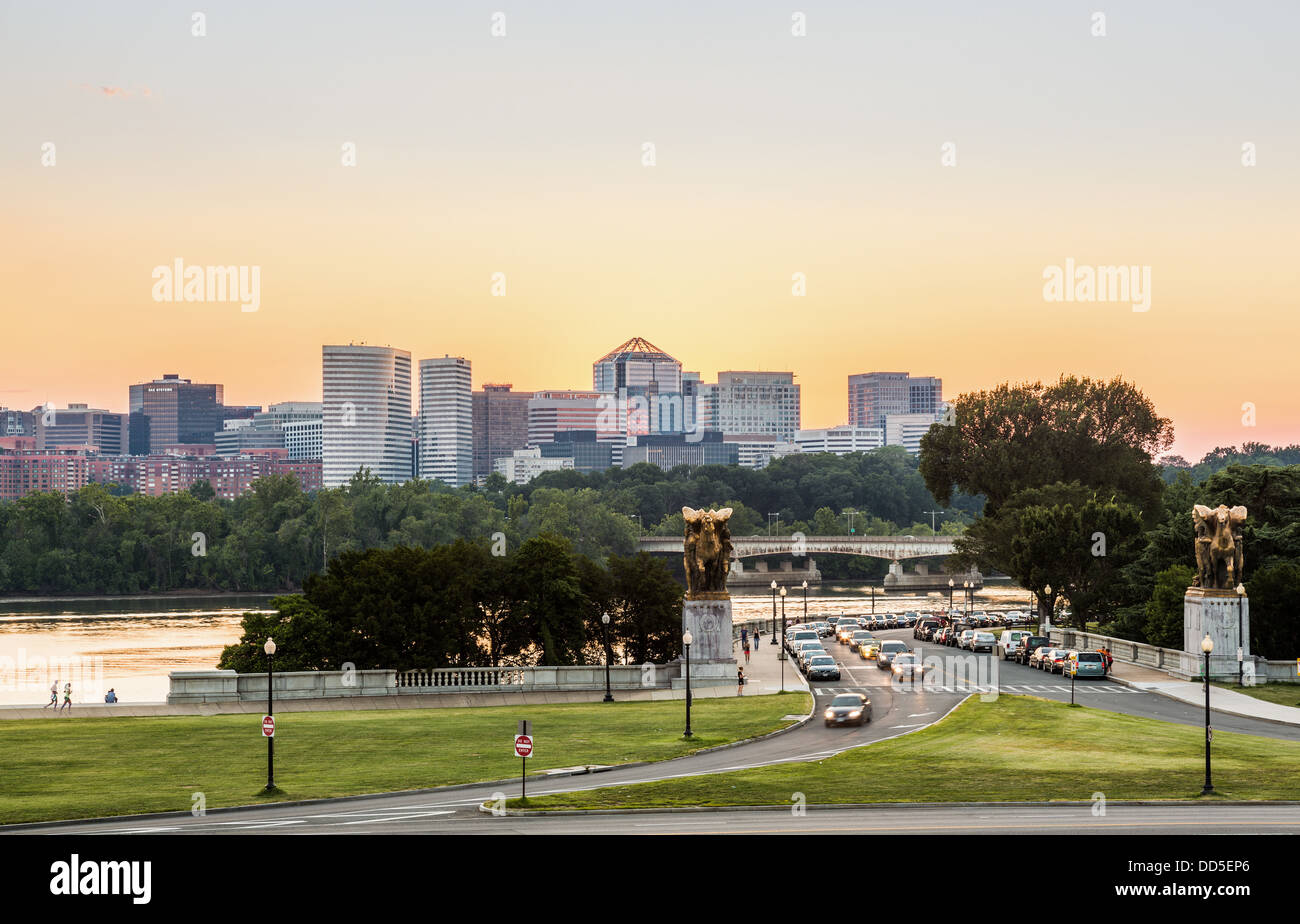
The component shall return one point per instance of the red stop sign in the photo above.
(268, 726)
(523, 745)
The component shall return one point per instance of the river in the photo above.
(131, 644)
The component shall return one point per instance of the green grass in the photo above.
(1018, 748)
(1284, 694)
(76, 768)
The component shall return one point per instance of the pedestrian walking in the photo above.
(757, 637)
(744, 636)
(746, 651)
(740, 681)
(67, 697)
(54, 697)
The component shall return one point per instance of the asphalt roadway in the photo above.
(896, 710)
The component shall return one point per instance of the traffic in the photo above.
(832, 649)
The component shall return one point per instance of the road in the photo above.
(896, 711)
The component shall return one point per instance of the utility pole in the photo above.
(932, 513)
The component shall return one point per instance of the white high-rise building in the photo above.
(446, 421)
(366, 413)
(906, 430)
(752, 402)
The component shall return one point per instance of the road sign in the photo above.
(268, 726)
(523, 745)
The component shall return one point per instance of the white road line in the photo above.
(918, 725)
(385, 818)
(917, 715)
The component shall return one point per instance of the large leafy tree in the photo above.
(1103, 435)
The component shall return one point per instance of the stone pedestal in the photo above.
(1215, 612)
(709, 622)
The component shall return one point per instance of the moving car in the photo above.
(805, 650)
(964, 637)
(794, 638)
(907, 666)
(925, 627)
(822, 667)
(982, 641)
(869, 650)
(888, 651)
(848, 709)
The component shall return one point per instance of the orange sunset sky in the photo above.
(775, 154)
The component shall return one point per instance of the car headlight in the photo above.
(855, 714)
(830, 713)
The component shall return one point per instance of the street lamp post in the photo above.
(805, 606)
(951, 585)
(269, 648)
(686, 641)
(1207, 646)
(1241, 642)
(783, 593)
(781, 653)
(773, 612)
(604, 632)
(1047, 593)
(965, 588)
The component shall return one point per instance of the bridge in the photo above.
(894, 549)
(891, 548)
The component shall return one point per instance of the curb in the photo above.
(454, 787)
(526, 813)
(1136, 685)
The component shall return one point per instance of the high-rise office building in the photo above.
(752, 402)
(446, 421)
(837, 440)
(173, 411)
(81, 426)
(647, 384)
(906, 430)
(874, 395)
(500, 425)
(366, 413)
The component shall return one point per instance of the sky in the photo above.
(775, 154)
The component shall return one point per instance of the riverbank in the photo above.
(161, 595)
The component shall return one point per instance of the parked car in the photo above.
(822, 667)
(888, 649)
(1085, 664)
(1039, 654)
(1008, 640)
(848, 709)
(807, 650)
(982, 641)
(964, 637)
(1054, 661)
(1026, 647)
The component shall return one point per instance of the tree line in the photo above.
(461, 605)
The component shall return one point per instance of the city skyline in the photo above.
(919, 192)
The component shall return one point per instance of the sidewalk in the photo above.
(764, 670)
(344, 703)
(1187, 691)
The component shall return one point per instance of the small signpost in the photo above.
(524, 750)
(268, 726)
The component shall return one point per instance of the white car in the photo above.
(1008, 640)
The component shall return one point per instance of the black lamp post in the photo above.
(686, 641)
(805, 605)
(1241, 642)
(774, 612)
(1207, 646)
(269, 648)
(782, 651)
(604, 631)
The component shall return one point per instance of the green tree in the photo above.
(1164, 623)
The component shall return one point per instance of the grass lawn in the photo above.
(1284, 694)
(1017, 748)
(76, 768)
